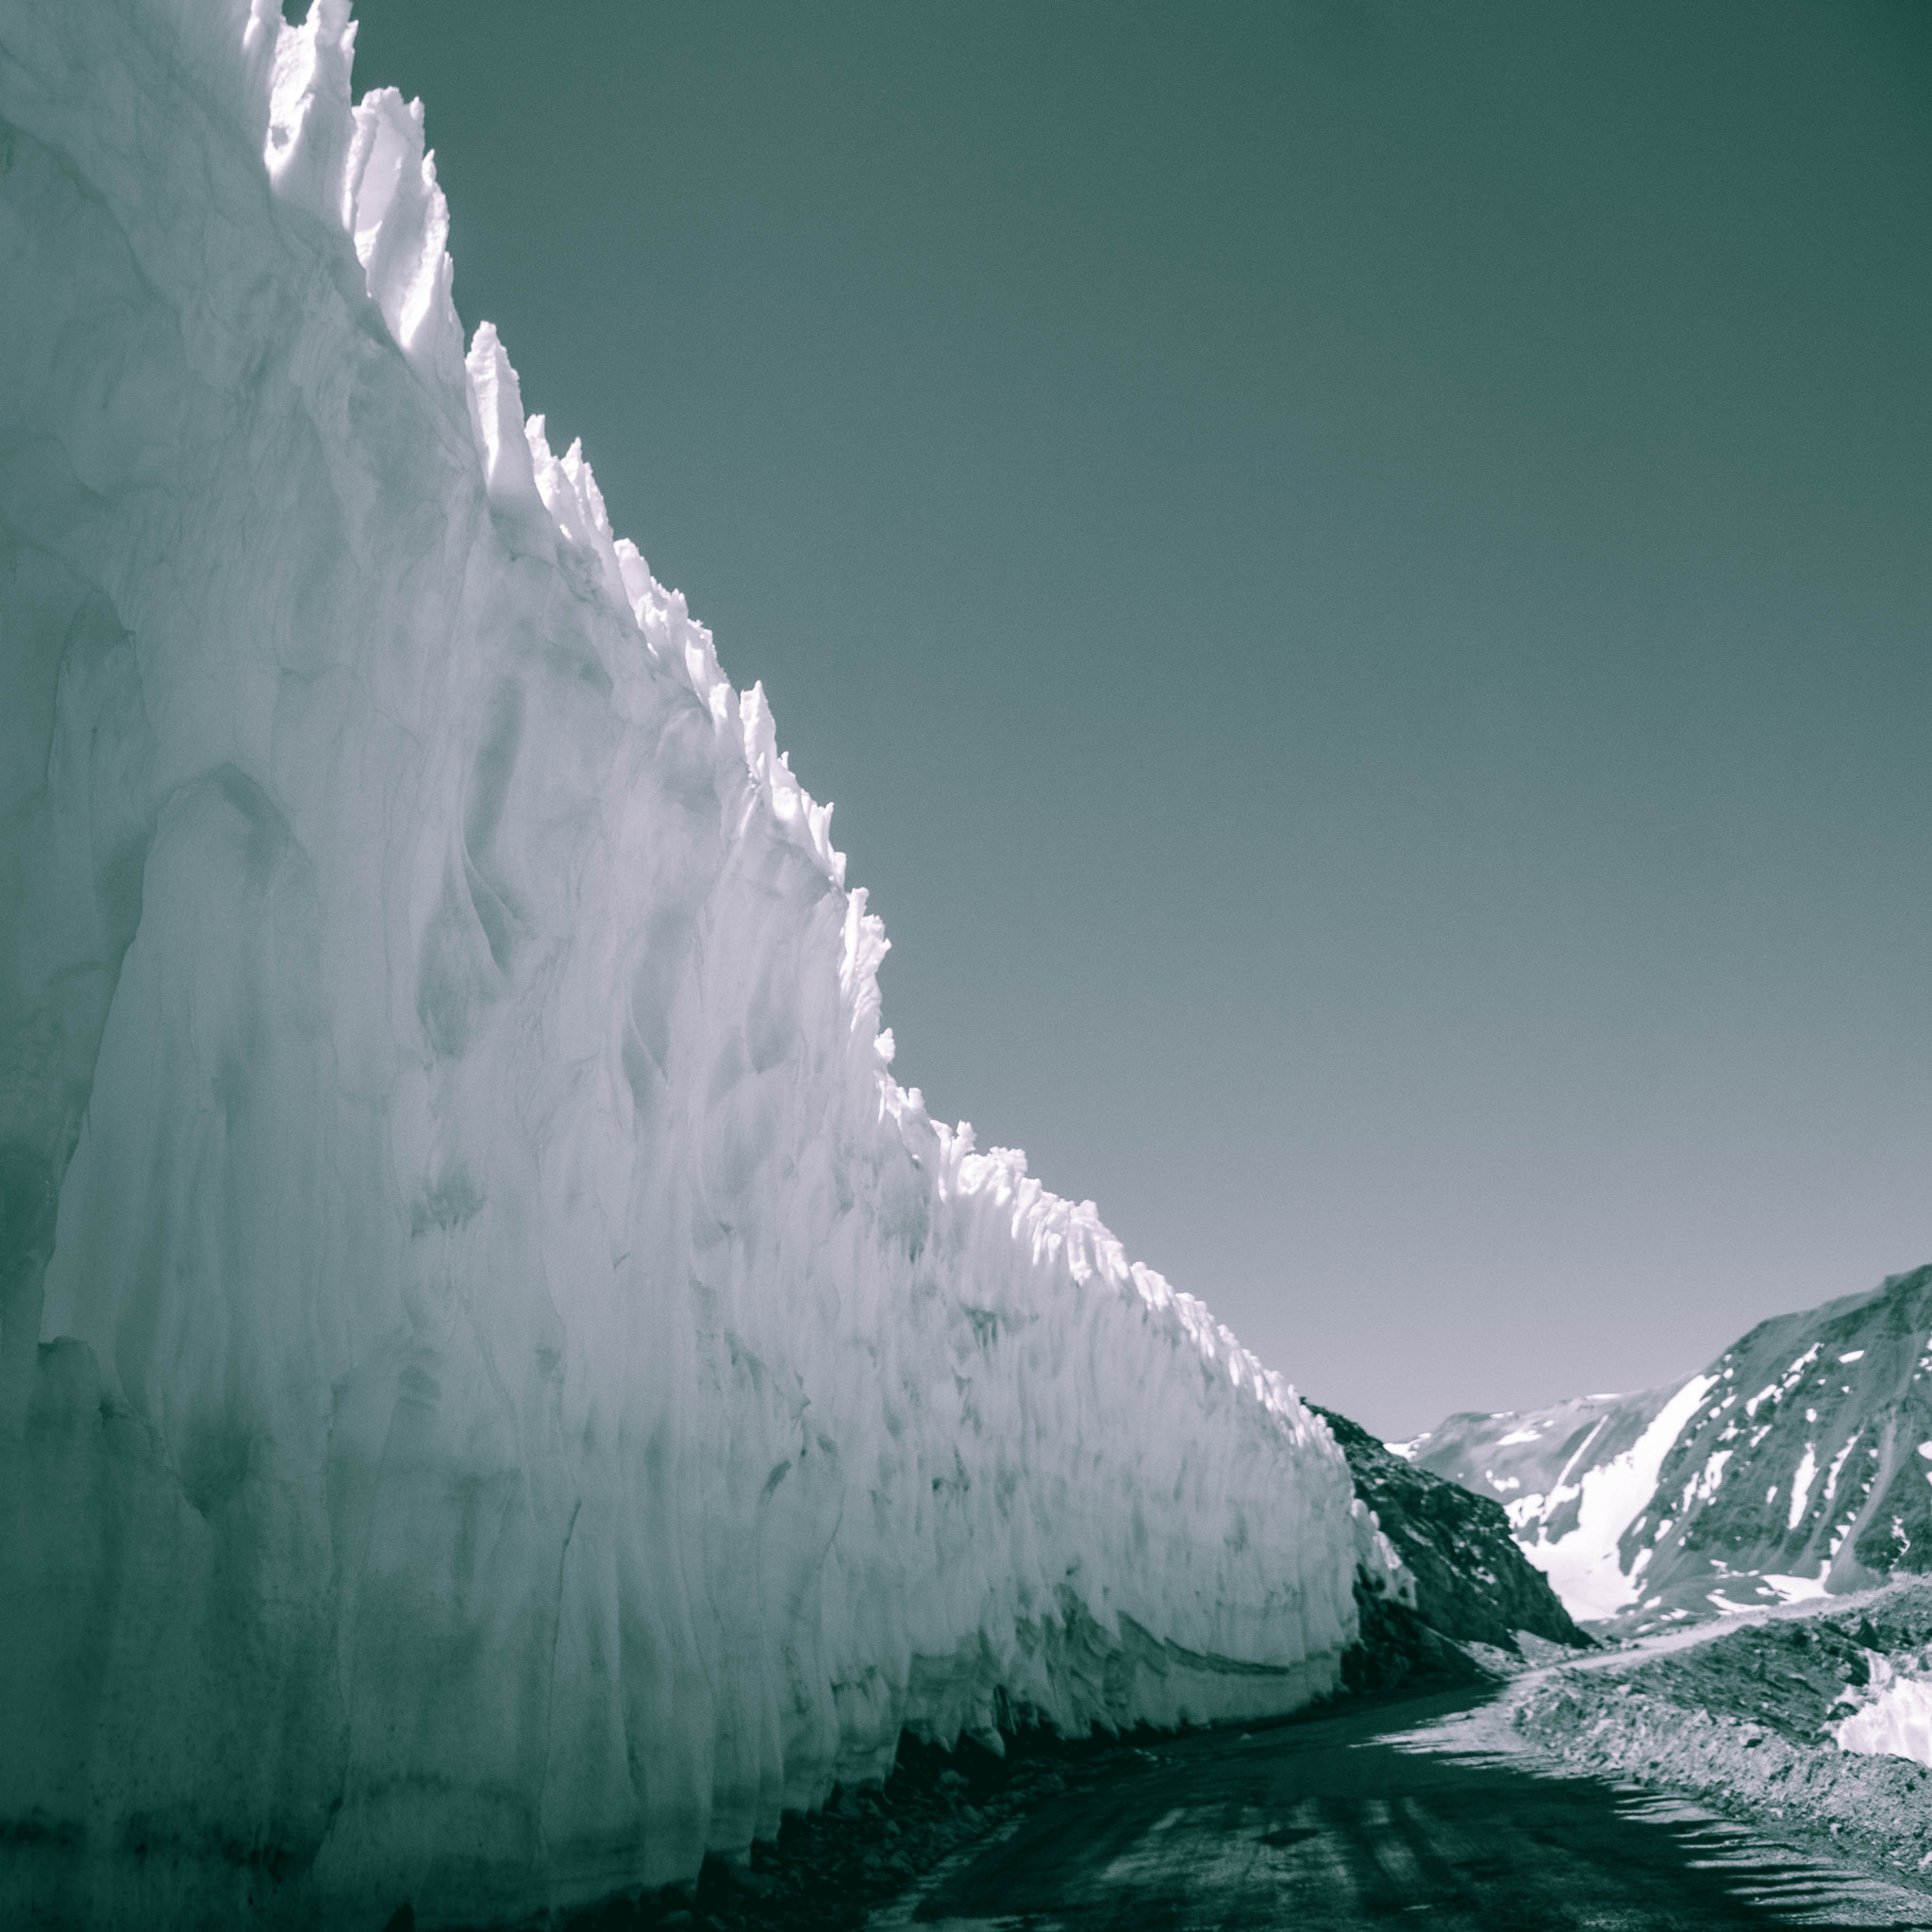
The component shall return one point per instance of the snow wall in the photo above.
(500, 1391)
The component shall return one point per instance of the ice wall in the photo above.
(500, 1391)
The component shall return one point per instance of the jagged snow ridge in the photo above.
(499, 1391)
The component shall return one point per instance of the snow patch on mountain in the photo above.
(1791, 1471)
(1801, 1484)
(1583, 1564)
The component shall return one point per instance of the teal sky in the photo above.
(1360, 575)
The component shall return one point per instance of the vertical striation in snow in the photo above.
(499, 1391)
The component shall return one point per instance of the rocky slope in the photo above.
(1471, 1582)
(1797, 1464)
(1752, 1722)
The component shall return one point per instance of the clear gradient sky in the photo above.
(1360, 575)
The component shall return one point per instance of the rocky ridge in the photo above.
(1472, 1583)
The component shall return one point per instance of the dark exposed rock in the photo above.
(1472, 1581)
(1398, 1651)
(829, 1870)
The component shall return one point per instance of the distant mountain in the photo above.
(1797, 1464)
(1472, 1581)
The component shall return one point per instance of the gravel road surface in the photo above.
(1328, 1824)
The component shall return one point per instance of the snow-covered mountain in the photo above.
(1798, 1462)
(499, 1391)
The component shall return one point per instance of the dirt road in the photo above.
(1326, 1825)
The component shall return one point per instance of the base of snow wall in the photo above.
(151, 1686)
(500, 1395)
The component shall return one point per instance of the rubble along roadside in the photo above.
(1741, 1720)
(828, 1871)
